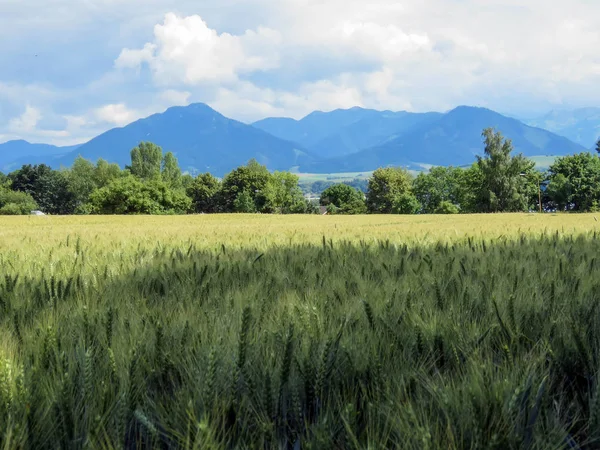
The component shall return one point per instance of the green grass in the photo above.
(336, 177)
(300, 332)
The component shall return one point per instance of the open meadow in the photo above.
(300, 332)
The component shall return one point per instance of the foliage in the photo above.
(171, 173)
(130, 195)
(49, 188)
(574, 182)
(81, 180)
(441, 185)
(364, 332)
(506, 185)
(282, 194)
(406, 203)
(344, 199)
(146, 161)
(16, 203)
(252, 178)
(446, 207)
(388, 188)
(105, 172)
(204, 192)
(312, 207)
(244, 203)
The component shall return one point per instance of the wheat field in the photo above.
(300, 332)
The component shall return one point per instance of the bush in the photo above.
(244, 203)
(344, 198)
(406, 204)
(130, 195)
(447, 207)
(14, 203)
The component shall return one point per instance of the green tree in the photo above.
(252, 178)
(130, 195)
(343, 199)
(105, 173)
(244, 203)
(171, 173)
(186, 181)
(282, 194)
(504, 188)
(598, 146)
(446, 207)
(146, 161)
(574, 182)
(204, 192)
(386, 188)
(49, 188)
(559, 192)
(81, 180)
(441, 185)
(16, 203)
(406, 203)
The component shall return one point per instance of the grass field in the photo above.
(300, 332)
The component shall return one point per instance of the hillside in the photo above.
(13, 154)
(452, 139)
(580, 125)
(343, 131)
(315, 127)
(201, 138)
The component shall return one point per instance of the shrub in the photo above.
(15, 203)
(447, 207)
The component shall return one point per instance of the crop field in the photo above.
(300, 332)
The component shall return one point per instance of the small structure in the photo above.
(37, 213)
(323, 210)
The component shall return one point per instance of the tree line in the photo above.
(498, 181)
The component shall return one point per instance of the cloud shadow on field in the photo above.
(342, 342)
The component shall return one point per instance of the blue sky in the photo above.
(70, 69)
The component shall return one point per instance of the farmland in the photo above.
(311, 332)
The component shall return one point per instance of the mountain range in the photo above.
(344, 140)
(580, 125)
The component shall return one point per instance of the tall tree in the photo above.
(506, 179)
(386, 187)
(81, 180)
(204, 192)
(439, 185)
(574, 182)
(283, 195)
(49, 188)
(171, 173)
(146, 161)
(251, 178)
(598, 146)
(106, 172)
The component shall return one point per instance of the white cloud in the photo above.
(186, 50)
(173, 97)
(26, 122)
(116, 114)
(247, 102)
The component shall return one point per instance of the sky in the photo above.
(70, 69)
